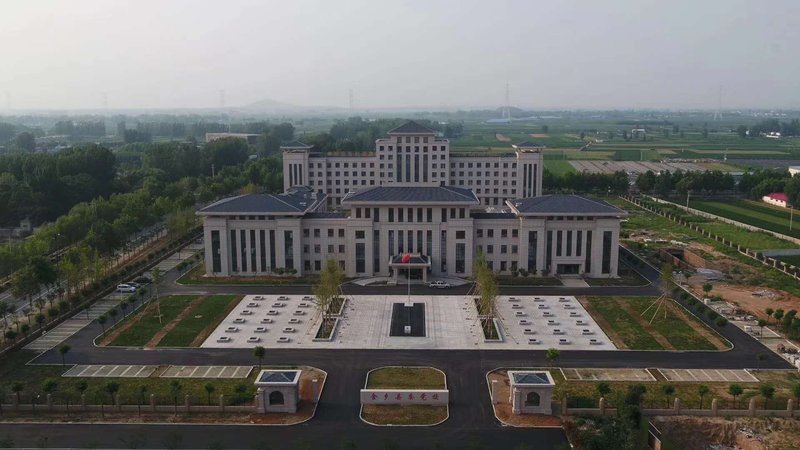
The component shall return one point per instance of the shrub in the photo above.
(721, 321)
(711, 314)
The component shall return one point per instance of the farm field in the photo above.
(752, 213)
(624, 320)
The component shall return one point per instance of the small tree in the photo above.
(175, 389)
(113, 314)
(707, 287)
(769, 312)
(209, 391)
(25, 329)
(778, 314)
(326, 290)
(761, 324)
(702, 391)
(259, 353)
(5, 308)
(668, 390)
(552, 355)
(142, 390)
(40, 319)
(735, 390)
(81, 386)
(112, 387)
(603, 389)
(63, 350)
(17, 389)
(767, 391)
(50, 386)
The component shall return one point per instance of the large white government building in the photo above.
(411, 196)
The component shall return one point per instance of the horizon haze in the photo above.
(93, 54)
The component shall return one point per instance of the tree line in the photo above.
(594, 183)
(791, 128)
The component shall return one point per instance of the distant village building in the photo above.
(794, 170)
(251, 139)
(776, 198)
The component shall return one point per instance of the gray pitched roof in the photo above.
(412, 194)
(493, 215)
(564, 205)
(298, 201)
(287, 376)
(528, 144)
(530, 378)
(295, 144)
(411, 127)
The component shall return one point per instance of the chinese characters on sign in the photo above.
(404, 397)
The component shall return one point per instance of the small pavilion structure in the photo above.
(278, 391)
(531, 392)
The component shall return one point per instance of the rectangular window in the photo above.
(489, 249)
(462, 213)
(461, 252)
(503, 249)
(243, 247)
(606, 252)
(479, 232)
(549, 260)
(288, 249)
(429, 213)
(400, 246)
(376, 215)
(588, 262)
(443, 251)
(419, 241)
(429, 243)
(391, 242)
(419, 214)
(569, 242)
(578, 242)
(253, 266)
(461, 234)
(262, 247)
(444, 215)
(391, 215)
(272, 249)
(359, 234)
(317, 265)
(360, 257)
(559, 236)
(216, 258)
(376, 251)
(400, 213)
(490, 233)
(410, 214)
(532, 249)
(504, 233)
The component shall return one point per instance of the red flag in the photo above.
(406, 258)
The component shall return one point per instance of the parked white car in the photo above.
(126, 288)
(439, 284)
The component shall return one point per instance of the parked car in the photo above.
(439, 284)
(143, 280)
(126, 288)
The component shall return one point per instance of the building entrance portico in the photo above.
(410, 266)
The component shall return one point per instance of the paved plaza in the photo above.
(451, 322)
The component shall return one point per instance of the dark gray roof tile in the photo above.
(412, 194)
(564, 205)
(411, 127)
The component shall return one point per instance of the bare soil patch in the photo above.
(502, 407)
(699, 433)
(539, 135)
(502, 137)
(742, 296)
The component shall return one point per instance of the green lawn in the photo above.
(681, 334)
(406, 378)
(625, 326)
(210, 312)
(752, 213)
(33, 377)
(558, 167)
(148, 324)
(404, 414)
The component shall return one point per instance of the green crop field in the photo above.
(207, 314)
(147, 323)
(752, 213)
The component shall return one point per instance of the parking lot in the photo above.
(451, 322)
(640, 375)
(709, 375)
(207, 372)
(110, 371)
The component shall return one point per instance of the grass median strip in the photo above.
(625, 327)
(207, 314)
(148, 324)
(406, 378)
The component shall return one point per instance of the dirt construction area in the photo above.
(696, 433)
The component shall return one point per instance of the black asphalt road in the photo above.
(471, 424)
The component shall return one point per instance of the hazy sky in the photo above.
(571, 54)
